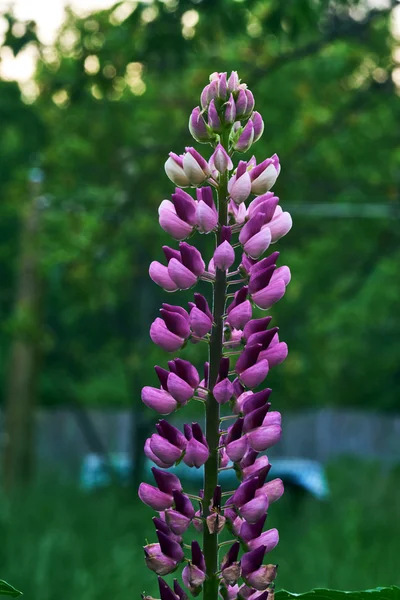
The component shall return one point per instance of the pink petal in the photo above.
(164, 338)
(180, 275)
(179, 389)
(159, 400)
(159, 274)
(253, 376)
(267, 297)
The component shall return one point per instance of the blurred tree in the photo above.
(110, 101)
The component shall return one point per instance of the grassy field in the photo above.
(60, 543)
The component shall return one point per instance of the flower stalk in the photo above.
(241, 351)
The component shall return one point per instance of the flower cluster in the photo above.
(236, 206)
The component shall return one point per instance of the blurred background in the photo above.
(92, 98)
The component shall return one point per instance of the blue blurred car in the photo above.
(300, 474)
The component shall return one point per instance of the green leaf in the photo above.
(6, 589)
(380, 593)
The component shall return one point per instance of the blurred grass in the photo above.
(59, 542)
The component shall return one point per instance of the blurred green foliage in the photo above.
(70, 544)
(112, 97)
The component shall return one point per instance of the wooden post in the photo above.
(20, 395)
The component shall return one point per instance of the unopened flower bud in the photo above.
(246, 137)
(221, 160)
(258, 125)
(230, 111)
(174, 170)
(213, 119)
(198, 127)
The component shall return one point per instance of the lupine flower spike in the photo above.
(233, 204)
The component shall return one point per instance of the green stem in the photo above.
(210, 540)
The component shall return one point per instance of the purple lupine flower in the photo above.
(246, 137)
(230, 565)
(184, 268)
(197, 451)
(194, 573)
(167, 594)
(223, 389)
(168, 444)
(264, 175)
(258, 124)
(181, 515)
(174, 170)
(251, 507)
(214, 122)
(239, 310)
(256, 574)
(171, 331)
(164, 557)
(250, 369)
(255, 236)
(235, 444)
(239, 185)
(160, 497)
(272, 489)
(200, 316)
(260, 433)
(177, 387)
(224, 255)
(230, 111)
(228, 122)
(198, 127)
(220, 160)
(206, 213)
(178, 217)
(195, 166)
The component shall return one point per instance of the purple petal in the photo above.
(240, 315)
(179, 389)
(150, 454)
(187, 371)
(224, 256)
(275, 355)
(241, 188)
(280, 226)
(272, 489)
(164, 338)
(159, 400)
(159, 274)
(237, 449)
(269, 539)
(223, 391)
(154, 498)
(196, 454)
(164, 450)
(181, 275)
(259, 243)
(191, 258)
(206, 217)
(177, 522)
(172, 224)
(176, 323)
(185, 206)
(253, 376)
(248, 358)
(253, 511)
(251, 561)
(264, 437)
(255, 325)
(269, 295)
(200, 323)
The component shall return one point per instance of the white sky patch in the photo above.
(49, 15)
